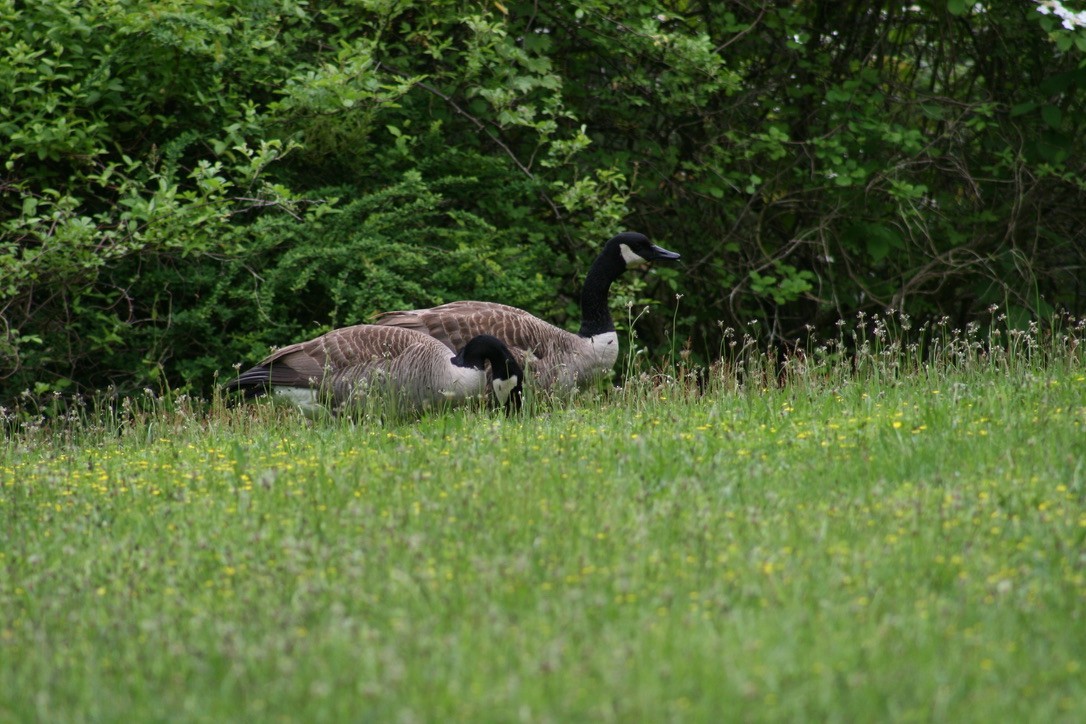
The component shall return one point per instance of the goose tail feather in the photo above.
(251, 383)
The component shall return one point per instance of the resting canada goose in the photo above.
(557, 358)
(341, 366)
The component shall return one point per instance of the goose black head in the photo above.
(636, 249)
(508, 377)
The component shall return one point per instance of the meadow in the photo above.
(880, 531)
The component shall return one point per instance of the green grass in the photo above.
(886, 546)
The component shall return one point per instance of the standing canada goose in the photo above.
(345, 365)
(557, 358)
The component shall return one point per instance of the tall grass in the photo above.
(889, 525)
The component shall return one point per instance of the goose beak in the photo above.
(513, 404)
(661, 254)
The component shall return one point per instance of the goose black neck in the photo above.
(595, 315)
(487, 348)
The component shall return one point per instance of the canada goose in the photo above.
(341, 366)
(557, 358)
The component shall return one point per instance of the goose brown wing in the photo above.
(350, 352)
(456, 323)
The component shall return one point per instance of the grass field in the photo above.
(876, 539)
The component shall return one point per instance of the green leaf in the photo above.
(1053, 146)
(1060, 82)
(956, 7)
(877, 247)
(1052, 115)
(878, 240)
(932, 110)
(1022, 108)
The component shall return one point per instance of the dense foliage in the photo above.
(186, 183)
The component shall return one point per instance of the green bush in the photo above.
(185, 184)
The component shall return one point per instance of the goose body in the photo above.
(558, 359)
(351, 365)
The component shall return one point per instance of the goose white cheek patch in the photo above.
(631, 257)
(504, 388)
